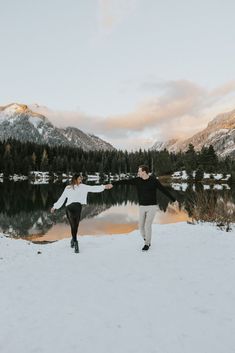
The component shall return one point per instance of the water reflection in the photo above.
(24, 210)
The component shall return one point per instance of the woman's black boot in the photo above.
(76, 247)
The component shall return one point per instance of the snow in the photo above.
(40, 177)
(2, 117)
(180, 175)
(230, 143)
(12, 119)
(217, 176)
(38, 174)
(17, 177)
(13, 108)
(206, 187)
(180, 186)
(184, 176)
(184, 186)
(228, 176)
(35, 121)
(10, 113)
(218, 187)
(227, 151)
(226, 186)
(39, 182)
(93, 177)
(207, 175)
(217, 132)
(111, 297)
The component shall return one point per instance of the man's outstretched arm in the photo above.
(164, 190)
(131, 181)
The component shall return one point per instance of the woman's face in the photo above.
(79, 180)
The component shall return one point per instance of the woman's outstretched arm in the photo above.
(98, 188)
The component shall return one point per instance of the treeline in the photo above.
(21, 158)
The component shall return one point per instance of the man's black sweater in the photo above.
(146, 189)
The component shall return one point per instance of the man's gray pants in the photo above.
(146, 217)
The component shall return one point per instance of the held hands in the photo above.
(108, 186)
(52, 210)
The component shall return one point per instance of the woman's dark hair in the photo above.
(74, 179)
(144, 168)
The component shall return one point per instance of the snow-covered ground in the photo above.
(111, 297)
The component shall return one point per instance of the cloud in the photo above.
(181, 109)
(63, 119)
(107, 19)
(110, 15)
(227, 88)
(112, 12)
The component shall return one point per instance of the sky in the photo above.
(130, 71)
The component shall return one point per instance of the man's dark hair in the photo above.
(144, 168)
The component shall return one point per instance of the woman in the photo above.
(76, 195)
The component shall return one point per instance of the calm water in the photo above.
(24, 211)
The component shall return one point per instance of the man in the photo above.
(146, 188)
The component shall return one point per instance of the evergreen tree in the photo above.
(212, 160)
(34, 160)
(44, 161)
(190, 159)
(16, 157)
(8, 164)
(199, 174)
(209, 159)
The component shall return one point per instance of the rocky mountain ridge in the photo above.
(220, 133)
(21, 123)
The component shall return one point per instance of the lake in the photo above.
(25, 210)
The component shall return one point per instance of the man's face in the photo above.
(141, 174)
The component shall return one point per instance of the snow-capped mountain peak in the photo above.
(15, 108)
(20, 122)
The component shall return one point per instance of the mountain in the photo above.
(220, 133)
(78, 138)
(21, 123)
(162, 145)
